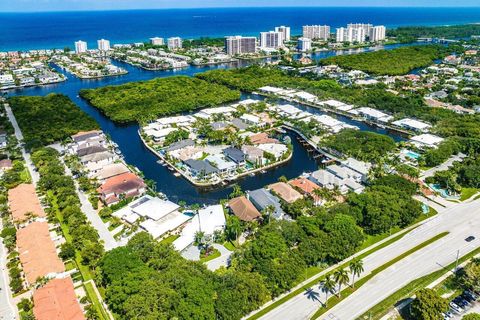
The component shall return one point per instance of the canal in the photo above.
(137, 155)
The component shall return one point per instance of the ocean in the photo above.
(46, 30)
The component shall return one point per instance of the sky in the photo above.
(72, 5)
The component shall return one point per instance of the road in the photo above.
(444, 166)
(18, 134)
(7, 309)
(105, 235)
(460, 220)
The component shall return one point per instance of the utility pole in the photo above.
(456, 262)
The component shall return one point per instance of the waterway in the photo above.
(137, 155)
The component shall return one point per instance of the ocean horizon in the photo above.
(59, 29)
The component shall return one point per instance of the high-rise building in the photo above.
(271, 39)
(157, 41)
(352, 33)
(377, 33)
(316, 32)
(174, 43)
(285, 31)
(103, 45)
(304, 44)
(80, 46)
(240, 45)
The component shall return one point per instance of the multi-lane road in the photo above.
(460, 220)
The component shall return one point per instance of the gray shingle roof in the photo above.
(201, 166)
(261, 199)
(236, 155)
(181, 144)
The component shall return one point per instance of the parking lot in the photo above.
(464, 304)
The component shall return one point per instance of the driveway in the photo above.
(222, 261)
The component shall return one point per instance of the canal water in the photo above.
(137, 155)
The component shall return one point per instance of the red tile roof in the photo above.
(57, 301)
(22, 200)
(37, 251)
(285, 191)
(243, 209)
(121, 184)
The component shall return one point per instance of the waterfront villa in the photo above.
(125, 185)
(243, 209)
(285, 192)
(262, 199)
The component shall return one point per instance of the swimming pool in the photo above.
(412, 155)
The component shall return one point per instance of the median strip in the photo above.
(349, 290)
(382, 308)
(302, 289)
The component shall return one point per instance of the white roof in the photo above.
(427, 139)
(374, 113)
(270, 89)
(159, 133)
(288, 108)
(220, 163)
(333, 103)
(306, 96)
(411, 123)
(250, 118)
(208, 220)
(357, 165)
(168, 223)
(153, 208)
(178, 119)
(276, 149)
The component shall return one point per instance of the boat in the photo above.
(160, 161)
(252, 174)
(263, 171)
(117, 151)
(176, 174)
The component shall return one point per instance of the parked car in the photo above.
(470, 239)
(455, 307)
(471, 294)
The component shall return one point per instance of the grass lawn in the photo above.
(349, 290)
(25, 176)
(229, 245)
(215, 254)
(96, 303)
(467, 193)
(70, 265)
(383, 307)
(170, 239)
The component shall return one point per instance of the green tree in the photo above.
(67, 251)
(341, 278)
(356, 268)
(428, 305)
(471, 316)
(327, 285)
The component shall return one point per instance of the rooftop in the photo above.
(57, 301)
(285, 191)
(23, 200)
(243, 209)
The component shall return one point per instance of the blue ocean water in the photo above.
(23, 31)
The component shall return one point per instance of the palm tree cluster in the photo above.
(333, 283)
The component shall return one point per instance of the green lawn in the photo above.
(229, 245)
(349, 290)
(215, 254)
(383, 307)
(170, 239)
(467, 193)
(96, 303)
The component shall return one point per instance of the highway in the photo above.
(461, 220)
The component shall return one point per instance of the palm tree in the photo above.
(199, 238)
(327, 286)
(267, 213)
(341, 278)
(356, 268)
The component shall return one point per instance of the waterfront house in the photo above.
(236, 155)
(224, 166)
(90, 150)
(200, 169)
(414, 125)
(101, 158)
(108, 171)
(276, 149)
(260, 138)
(327, 180)
(85, 135)
(285, 192)
(262, 198)
(306, 187)
(360, 167)
(180, 145)
(243, 209)
(253, 155)
(57, 300)
(252, 120)
(125, 185)
(374, 114)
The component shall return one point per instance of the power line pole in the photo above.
(456, 262)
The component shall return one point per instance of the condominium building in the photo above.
(156, 41)
(103, 45)
(240, 45)
(271, 39)
(80, 47)
(316, 32)
(377, 33)
(360, 32)
(304, 44)
(174, 43)
(285, 31)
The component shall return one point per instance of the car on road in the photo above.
(470, 238)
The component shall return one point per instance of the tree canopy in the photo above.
(147, 100)
(49, 119)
